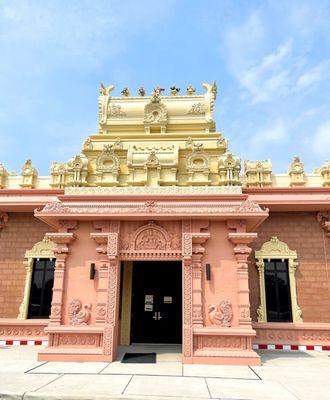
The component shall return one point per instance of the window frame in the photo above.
(274, 249)
(43, 270)
(43, 249)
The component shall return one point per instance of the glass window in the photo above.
(41, 288)
(278, 299)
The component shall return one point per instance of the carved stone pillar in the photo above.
(110, 335)
(61, 250)
(242, 251)
(187, 339)
(192, 253)
(101, 239)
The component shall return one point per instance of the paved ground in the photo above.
(282, 376)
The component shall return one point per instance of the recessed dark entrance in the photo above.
(156, 302)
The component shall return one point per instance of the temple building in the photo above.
(154, 233)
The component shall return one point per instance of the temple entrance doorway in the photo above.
(156, 307)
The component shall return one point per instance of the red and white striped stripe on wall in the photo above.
(23, 342)
(288, 347)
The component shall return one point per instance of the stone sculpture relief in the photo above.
(221, 315)
(79, 314)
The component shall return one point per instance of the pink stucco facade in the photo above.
(223, 231)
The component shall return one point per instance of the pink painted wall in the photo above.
(77, 283)
(223, 285)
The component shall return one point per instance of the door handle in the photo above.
(159, 316)
(155, 317)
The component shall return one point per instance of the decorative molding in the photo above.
(196, 108)
(205, 208)
(296, 172)
(229, 167)
(43, 249)
(79, 314)
(258, 173)
(115, 111)
(275, 249)
(221, 315)
(29, 173)
(152, 190)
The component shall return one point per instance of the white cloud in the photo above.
(321, 140)
(314, 75)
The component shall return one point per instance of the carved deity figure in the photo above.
(155, 98)
(174, 90)
(221, 315)
(190, 90)
(125, 92)
(142, 92)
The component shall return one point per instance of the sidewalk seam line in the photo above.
(41, 387)
(127, 384)
(31, 369)
(207, 386)
(255, 372)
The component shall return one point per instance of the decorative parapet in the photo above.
(58, 172)
(296, 172)
(152, 190)
(107, 166)
(155, 113)
(325, 172)
(3, 175)
(198, 165)
(77, 170)
(258, 173)
(229, 168)
(29, 173)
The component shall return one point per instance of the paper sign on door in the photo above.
(148, 307)
(168, 299)
(149, 299)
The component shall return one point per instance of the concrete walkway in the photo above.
(283, 376)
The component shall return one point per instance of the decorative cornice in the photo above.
(151, 190)
(211, 208)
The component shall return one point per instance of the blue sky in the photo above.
(271, 60)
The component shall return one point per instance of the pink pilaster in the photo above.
(101, 239)
(242, 251)
(62, 241)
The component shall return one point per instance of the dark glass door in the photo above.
(41, 288)
(156, 302)
(278, 299)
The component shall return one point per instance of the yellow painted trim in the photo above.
(42, 249)
(125, 331)
(275, 249)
